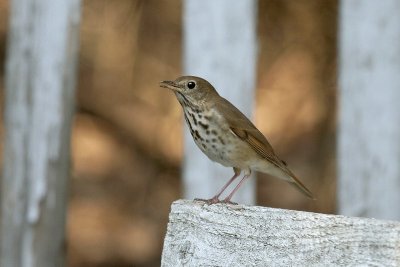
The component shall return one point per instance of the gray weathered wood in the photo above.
(369, 109)
(226, 235)
(40, 81)
(220, 46)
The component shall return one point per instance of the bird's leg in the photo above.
(228, 198)
(215, 199)
(237, 173)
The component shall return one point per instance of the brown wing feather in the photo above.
(264, 149)
(241, 126)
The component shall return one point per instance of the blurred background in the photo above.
(127, 135)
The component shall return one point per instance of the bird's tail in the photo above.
(280, 170)
(300, 186)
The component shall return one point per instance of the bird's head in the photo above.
(192, 89)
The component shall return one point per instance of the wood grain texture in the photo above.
(39, 105)
(220, 46)
(227, 235)
(369, 113)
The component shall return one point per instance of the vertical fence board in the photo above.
(369, 112)
(220, 46)
(40, 85)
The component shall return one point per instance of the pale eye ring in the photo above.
(191, 84)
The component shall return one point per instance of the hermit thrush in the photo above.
(225, 135)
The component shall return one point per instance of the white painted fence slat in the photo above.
(226, 235)
(40, 86)
(220, 46)
(369, 109)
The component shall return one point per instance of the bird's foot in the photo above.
(215, 200)
(210, 201)
(227, 201)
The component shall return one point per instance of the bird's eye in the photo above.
(191, 84)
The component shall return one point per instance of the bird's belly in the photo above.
(214, 139)
(225, 150)
(217, 153)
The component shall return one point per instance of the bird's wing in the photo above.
(262, 147)
(242, 127)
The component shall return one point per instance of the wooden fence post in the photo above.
(40, 85)
(220, 46)
(369, 109)
(227, 235)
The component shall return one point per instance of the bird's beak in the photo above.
(170, 85)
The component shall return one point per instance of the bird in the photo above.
(225, 135)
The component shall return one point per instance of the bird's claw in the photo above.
(226, 201)
(215, 200)
(210, 201)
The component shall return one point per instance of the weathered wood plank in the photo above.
(220, 45)
(369, 110)
(40, 86)
(226, 235)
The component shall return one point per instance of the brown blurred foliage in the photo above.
(127, 136)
